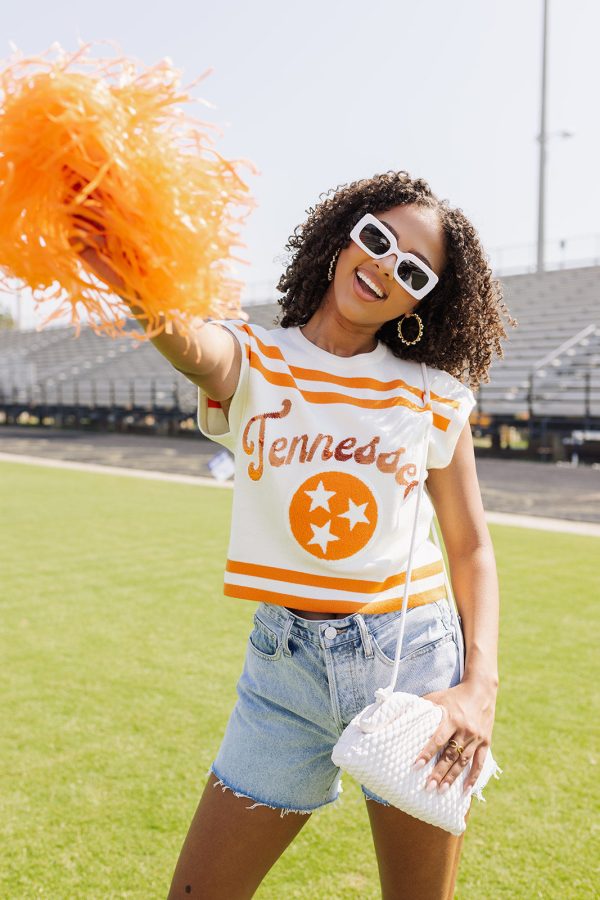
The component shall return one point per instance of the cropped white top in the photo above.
(326, 453)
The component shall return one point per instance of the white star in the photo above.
(355, 513)
(322, 535)
(319, 497)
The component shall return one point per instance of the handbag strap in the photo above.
(384, 692)
(453, 607)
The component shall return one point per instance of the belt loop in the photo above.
(286, 633)
(366, 637)
(444, 611)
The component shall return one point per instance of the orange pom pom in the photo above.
(105, 143)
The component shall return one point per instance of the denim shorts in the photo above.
(304, 680)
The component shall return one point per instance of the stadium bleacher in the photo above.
(551, 361)
(549, 374)
(56, 367)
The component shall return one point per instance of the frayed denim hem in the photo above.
(284, 810)
(374, 797)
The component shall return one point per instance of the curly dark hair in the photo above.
(462, 315)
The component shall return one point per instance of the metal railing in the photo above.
(567, 253)
(577, 396)
(149, 393)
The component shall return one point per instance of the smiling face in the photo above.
(418, 231)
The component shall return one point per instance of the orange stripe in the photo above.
(282, 379)
(268, 349)
(347, 606)
(355, 585)
(436, 397)
(370, 384)
(273, 352)
(355, 382)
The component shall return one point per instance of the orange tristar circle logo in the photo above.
(333, 515)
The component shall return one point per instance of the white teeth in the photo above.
(366, 280)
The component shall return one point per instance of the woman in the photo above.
(324, 415)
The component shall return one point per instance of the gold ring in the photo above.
(458, 749)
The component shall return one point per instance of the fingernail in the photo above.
(445, 787)
(431, 786)
(419, 763)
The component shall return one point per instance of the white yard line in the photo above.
(543, 523)
(148, 474)
(540, 523)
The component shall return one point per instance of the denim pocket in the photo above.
(264, 640)
(426, 628)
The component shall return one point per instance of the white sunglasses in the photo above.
(374, 238)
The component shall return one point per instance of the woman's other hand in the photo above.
(469, 711)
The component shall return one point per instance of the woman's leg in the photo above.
(415, 859)
(229, 848)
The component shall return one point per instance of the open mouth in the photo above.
(364, 290)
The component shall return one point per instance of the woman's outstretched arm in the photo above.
(211, 358)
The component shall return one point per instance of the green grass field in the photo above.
(120, 658)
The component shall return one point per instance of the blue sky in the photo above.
(317, 94)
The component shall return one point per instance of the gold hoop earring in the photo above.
(420, 334)
(332, 264)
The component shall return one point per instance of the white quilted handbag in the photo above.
(380, 744)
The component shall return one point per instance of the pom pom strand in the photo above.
(100, 153)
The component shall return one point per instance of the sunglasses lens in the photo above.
(375, 240)
(413, 276)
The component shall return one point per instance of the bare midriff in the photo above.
(308, 614)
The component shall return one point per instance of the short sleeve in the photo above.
(452, 403)
(212, 421)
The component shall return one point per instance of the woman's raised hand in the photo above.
(89, 243)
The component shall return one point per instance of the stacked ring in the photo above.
(458, 749)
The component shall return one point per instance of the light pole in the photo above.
(542, 138)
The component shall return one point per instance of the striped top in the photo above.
(326, 453)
